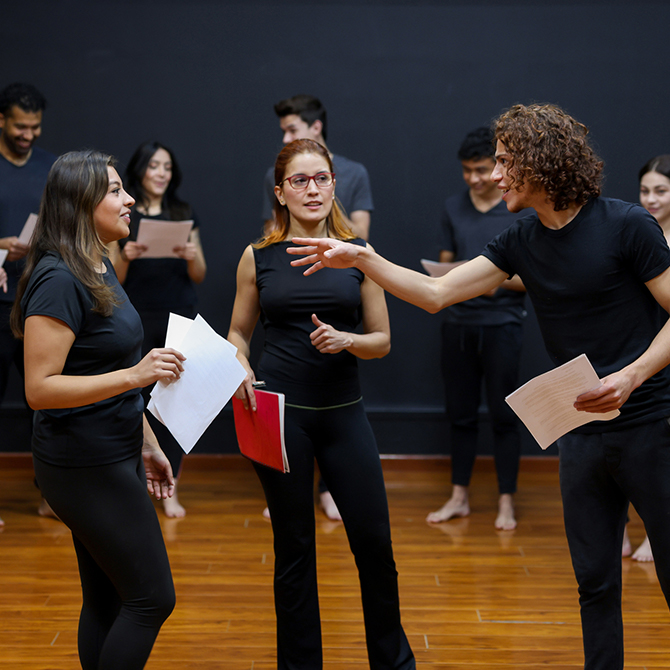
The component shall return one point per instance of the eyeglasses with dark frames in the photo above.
(299, 182)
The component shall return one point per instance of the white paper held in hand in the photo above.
(211, 375)
(545, 404)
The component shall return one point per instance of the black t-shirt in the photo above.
(465, 231)
(159, 284)
(290, 363)
(107, 431)
(21, 190)
(587, 284)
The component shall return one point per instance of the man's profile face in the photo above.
(294, 128)
(477, 175)
(519, 197)
(20, 129)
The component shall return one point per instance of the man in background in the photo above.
(481, 338)
(304, 117)
(23, 173)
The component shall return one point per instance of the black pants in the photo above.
(599, 474)
(344, 446)
(470, 354)
(125, 574)
(155, 327)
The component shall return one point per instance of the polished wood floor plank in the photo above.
(472, 598)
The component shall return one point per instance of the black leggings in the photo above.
(123, 565)
(344, 446)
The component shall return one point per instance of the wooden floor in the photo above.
(472, 598)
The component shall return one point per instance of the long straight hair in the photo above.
(336, 225)
(137, 168)
(77, 183)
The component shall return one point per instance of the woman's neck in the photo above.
(151, 207)
(307, 229)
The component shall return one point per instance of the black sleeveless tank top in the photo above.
(290, 363)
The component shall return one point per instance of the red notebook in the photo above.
(260, 434)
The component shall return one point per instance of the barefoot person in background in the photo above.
(158, 286)
(596, 270)
(481, 338)
(655, 198)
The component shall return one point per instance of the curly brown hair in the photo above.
(550, 150)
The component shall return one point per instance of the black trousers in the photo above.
(471, 354)
(600, 474)
(11, 349)
(125, 574)
(344, 446)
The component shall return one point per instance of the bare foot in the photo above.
(45, 510)
(2, 523)
(626, 547)
(327, 504)
(457, 506)
(505, 519)
(172, 507)
(643, 552)
(266, 513)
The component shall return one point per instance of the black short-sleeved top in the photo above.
(159, 284)
(290, 363)
(465, 231)
(587, 284)
(107, 431)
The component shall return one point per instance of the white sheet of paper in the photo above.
(161, 237)
(28, 228)
(545, 403)
(211, 375)
(3, 256)
(436, 269)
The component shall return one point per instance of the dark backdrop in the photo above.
(402, 82)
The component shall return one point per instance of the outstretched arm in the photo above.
(616, 388)
(467, 281)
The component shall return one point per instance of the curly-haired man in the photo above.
(596, 270)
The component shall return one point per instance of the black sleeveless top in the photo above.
(290, 363)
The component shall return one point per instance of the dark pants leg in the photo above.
(501, 354)
(125, 575)
(599, 474)
(11, 349)
(345, 449)
(462, 373)
(471, 354)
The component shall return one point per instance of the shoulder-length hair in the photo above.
(660, 164)
(77, 183)
(550, 150)
(135, 171)
(336, 225)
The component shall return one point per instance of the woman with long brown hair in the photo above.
(94, 453)
(310, 354)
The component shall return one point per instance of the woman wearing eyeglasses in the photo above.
(310, 354)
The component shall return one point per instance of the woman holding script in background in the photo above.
(158, 286)
(94, 454)
(310, 355)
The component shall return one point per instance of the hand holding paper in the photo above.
(161, 238)
(545, 404)
(211, 375)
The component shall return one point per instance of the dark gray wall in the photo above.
(403, 82)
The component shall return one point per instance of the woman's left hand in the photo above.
(187, 252)
(328, 340)
(160, 480)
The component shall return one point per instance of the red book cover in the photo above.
(260, 434)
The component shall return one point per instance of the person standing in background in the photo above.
(23, 173)
(158, 286)
(481, 338)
